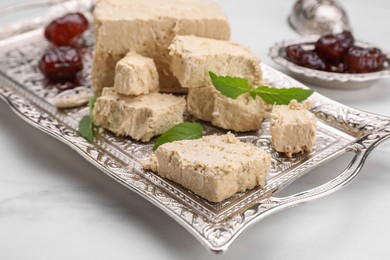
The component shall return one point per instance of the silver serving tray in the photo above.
(216, 225)
(324, 78)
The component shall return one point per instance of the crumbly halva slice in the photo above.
(148, 27)
(193, 58)
(140, 117)
(293, 128)
(135, 75)
(241, 114)
(214, 167)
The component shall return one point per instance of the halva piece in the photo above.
(140, 117)
(193, 58)
(241, 114)
(135, 75)
(148, 27)
(214, 167)
(293, 128)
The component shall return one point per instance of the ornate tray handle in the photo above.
(361, 148)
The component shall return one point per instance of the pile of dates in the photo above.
(63, 60)
(337, 53)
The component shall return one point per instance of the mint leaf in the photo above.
(235, 87)
(282, 96)
(86, 124)
(86, 128)
(91, 103)
(183, 131)
(230, 86)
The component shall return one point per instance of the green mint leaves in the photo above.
(229, 86)
(234, 87)
(282, 96)
(86, 124)
(86, 128)
(183, 131)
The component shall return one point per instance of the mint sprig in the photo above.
(183, 131)
(233, 87)
(86, 124)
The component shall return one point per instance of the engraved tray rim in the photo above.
(368, 130)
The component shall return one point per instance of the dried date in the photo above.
(65, 30)
(61, 64)
(333, 48)
(306, 58)
(363, 60)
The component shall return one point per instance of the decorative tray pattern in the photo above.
(216, 225)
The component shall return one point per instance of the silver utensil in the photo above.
(318, 17)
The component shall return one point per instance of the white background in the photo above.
(55, 205)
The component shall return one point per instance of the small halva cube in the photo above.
(293, 128)
(135, 75)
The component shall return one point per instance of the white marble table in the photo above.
(55, 205)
